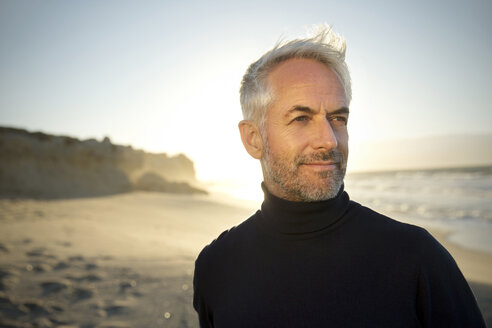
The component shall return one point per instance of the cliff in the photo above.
(39, 165)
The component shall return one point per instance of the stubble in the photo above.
(299, 186)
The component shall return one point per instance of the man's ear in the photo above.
(251, 137)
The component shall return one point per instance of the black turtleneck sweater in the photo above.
(332, 263)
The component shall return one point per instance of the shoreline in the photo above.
(474, 264)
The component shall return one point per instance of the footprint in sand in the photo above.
(76, 258)
(83, 293)
(118, 307)
(91, 266)
(10, 308)
(98, 306)
(38, 307)
(61, 265)
(90, 277)
(40, 252)
(9, 277)
(55, 286)
(36, 252)
(41, 267)
(4, 248)
(8, 272)
(127, 284)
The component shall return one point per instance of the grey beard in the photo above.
(294, 186)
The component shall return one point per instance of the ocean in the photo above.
(458, 200)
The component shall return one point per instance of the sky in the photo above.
(164, 75)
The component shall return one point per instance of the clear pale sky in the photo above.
(164, 75)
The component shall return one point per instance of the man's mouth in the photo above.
(322, 165)
(322, 161)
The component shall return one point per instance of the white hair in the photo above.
(325, 46)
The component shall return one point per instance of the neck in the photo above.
(285, 217)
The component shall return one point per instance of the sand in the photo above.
(127, 260)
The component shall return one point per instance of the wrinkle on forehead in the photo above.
(306, 79)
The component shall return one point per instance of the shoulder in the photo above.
(226, 243)
(391, 232)
(437, 280)
(375, 221)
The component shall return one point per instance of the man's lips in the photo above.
(321, 165)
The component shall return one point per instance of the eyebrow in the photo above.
(309, 110)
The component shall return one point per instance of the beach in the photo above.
(117, 261)
(127, 260)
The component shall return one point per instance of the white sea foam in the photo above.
(458, 199)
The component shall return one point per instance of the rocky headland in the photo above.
(40, 165)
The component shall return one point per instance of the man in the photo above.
(311, 257)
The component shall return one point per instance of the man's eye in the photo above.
(340, 119)
(301, 118)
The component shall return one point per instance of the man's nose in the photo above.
(324, 136)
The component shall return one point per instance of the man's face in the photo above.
(305, 133)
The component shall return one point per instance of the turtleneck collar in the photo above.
(300, 219)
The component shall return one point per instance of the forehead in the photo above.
(306, 82)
